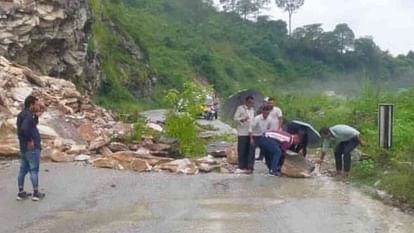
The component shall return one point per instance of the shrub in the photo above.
(181, 126)
(364, 169)
(180, 120)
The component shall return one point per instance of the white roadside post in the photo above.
(385, 119)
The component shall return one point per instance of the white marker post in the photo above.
(385, 117)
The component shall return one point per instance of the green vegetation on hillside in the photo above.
(124, 73)
(190, 40)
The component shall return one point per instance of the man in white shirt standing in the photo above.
(259, 125)
(243, 117)
(276, 114)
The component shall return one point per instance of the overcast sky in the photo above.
(390, 22)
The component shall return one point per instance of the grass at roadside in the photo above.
(390, 170)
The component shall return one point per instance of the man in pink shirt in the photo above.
(274, 143)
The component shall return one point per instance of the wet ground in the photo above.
(85, 199)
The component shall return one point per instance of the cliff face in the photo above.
(51, 37)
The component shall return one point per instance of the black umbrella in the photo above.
(233, 101)
(313, 137)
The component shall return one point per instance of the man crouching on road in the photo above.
(274, 143)
(30, 147)
(347, 139)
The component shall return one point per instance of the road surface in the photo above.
(82, 199)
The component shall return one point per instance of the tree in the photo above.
(245, 7)
(367, 51)
(275, 30)
(260, 4)
(345, 37)
(290, 6)
(329, 42)
(309, 35)
(306, 41)
(229, 5)
(410, 55)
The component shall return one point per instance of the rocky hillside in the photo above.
(51, 37)
(69, 118)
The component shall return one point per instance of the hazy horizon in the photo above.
(389, 22)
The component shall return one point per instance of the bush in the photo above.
(180, 120)
(140, 129)
(364, 169)
(181, 126)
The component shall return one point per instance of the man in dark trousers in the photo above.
(243, 117)
(30, 147)
(346, 139)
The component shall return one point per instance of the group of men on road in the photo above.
(264, 129)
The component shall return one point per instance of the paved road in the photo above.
(158, 115)
(81, 199)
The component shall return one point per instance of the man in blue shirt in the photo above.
(30, 147)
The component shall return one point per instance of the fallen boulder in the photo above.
(9, 148)
(140, 165)
(105, 151)
(82, 158)
(207, 164)
(77, 149)
(106, 162)
(207, 160)
(117, 146)
(232, 155)
(60, 157)
(9, 144)
(184, 166)
(99, 142)
(218, 149)
(155, 127)
(158, 149)
(297, 166)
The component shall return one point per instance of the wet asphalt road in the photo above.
(85, 199)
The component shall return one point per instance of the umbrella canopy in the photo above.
(313, 137)
(233, 101)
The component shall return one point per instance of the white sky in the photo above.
(390, 22)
